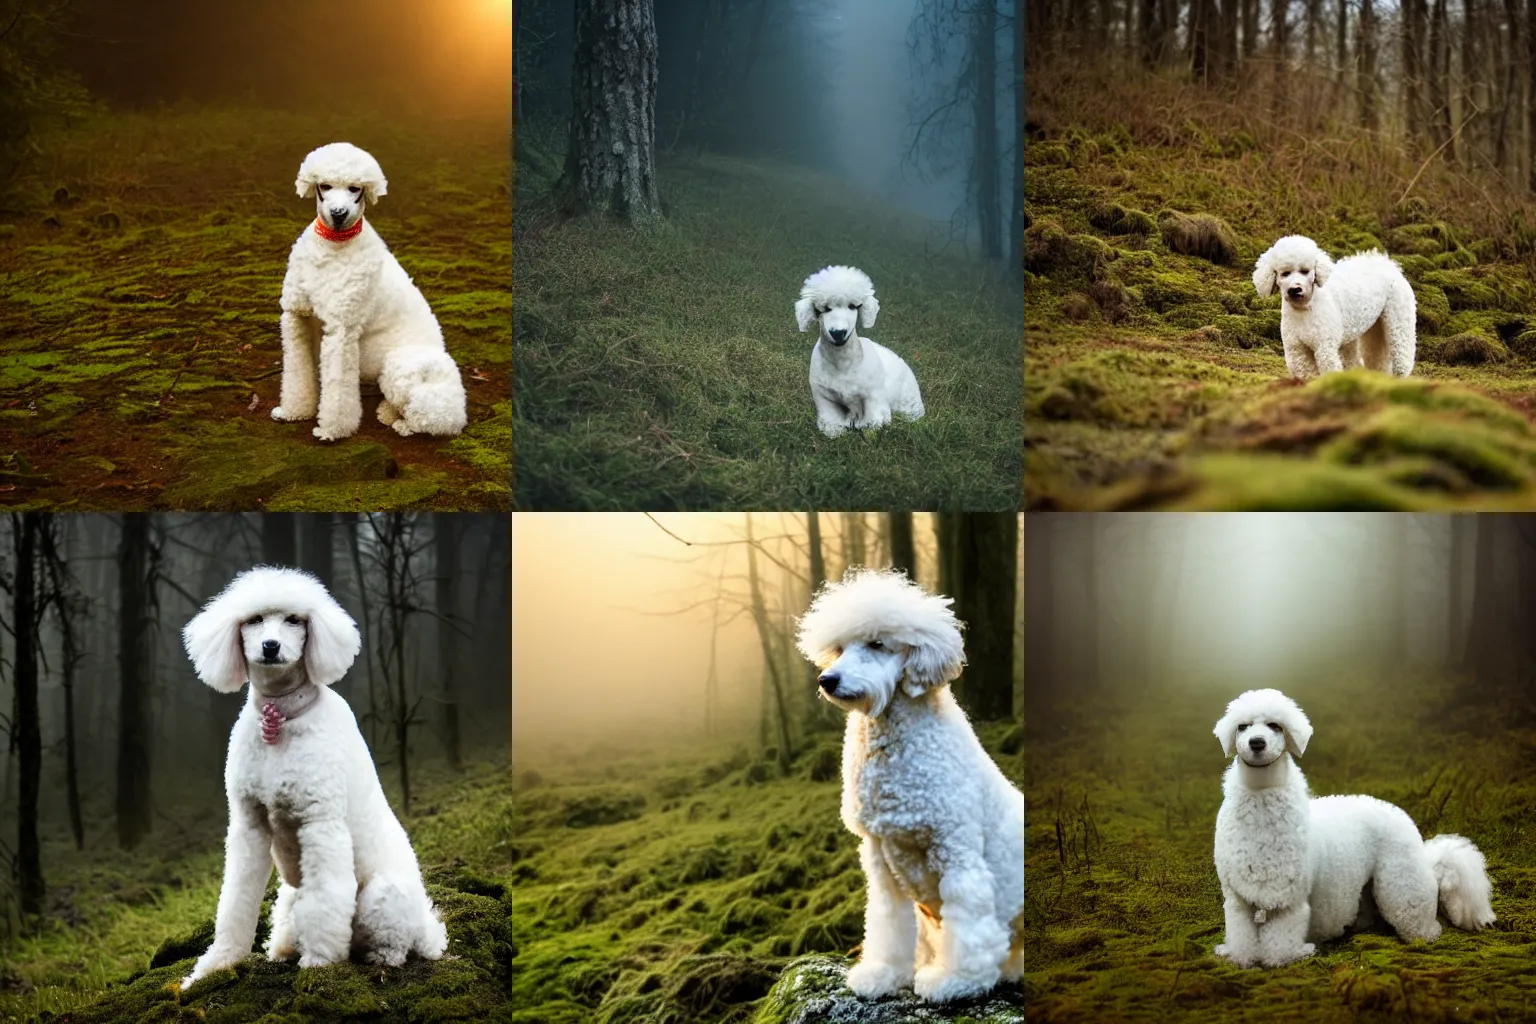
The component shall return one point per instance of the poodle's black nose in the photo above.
(338, 217)
(838, 335)
(269, 649)
(1256, 744)
(1294, 291)
(829, 681)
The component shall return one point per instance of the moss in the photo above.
(1078, 307)
(1052, 251)
(1422, 239)
(1432, 308)
(1114, 219)
(1200, 234)
(1470, 349)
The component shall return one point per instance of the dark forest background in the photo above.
(113, 745)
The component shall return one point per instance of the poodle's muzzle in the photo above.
(271, 652)
(839, 337)
(1258, 750)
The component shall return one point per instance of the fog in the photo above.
(1124, 603)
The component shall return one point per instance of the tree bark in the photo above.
(1369, 117)
(135, 667)
(610, 161)
(318, 555)
(903, 551)
(760, 619)
(1530, 102)
(1413, 69)
(1039, 619)
(445, 538)
(27, 725)
(1440, 80)
(987, 548)
(986, 153)
(279, 539)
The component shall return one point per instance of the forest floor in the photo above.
(663, 369)
(658, 886)
(1155, 379)
(1123, 905)
(121, 926)
(140, 267)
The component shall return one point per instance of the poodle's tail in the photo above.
(424, 385)
(1463, 878)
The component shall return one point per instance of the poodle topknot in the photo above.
(341, 163)
(837, 286)
(212, 638)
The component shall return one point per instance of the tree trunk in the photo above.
(1250, 29)
(760, 619)
(27, 728)
(1479, 657)
(1039, 619)
(1530, 102)
(1279, 40)
(318, 556)
(1455, 590)
(135, 667)
(1202, 15)
(1469, 77)
(988, 548)
(445, 536)
(1314, 29)
(1341, 47)
(903, 551)
(279, 541)
(1440, 80)
(610, 160)
(1089, 568)
(986, 159)
(1413, 69)
(1369, 118)
(853, 540)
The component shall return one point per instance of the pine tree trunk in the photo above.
(318, 556)
(903, 551)
(610, 161)
(27, 727)
(985, 170)
(987, 549)
(445, 536)
(135, 651)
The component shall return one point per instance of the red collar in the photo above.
(338, 236)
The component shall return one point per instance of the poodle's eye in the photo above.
(876, 645)
(294, 620)
(820, 311)
(1241, 727)
(254, 620)
(1275, 726)
(857, 308)
(354, 189)
(325, 188)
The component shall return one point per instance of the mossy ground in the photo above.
(124, 925)
(1154, 373)
(140, 269)
(1123, 905)
(664, 369)
(672, 887)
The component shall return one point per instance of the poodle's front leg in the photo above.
(830, 417)
(326, 899)
(1328, 359)
(877, 414)
(247, 866)
(890, 931)
(1299, 361)
(341, 398)
(1283, 935)
(300, 392)
(1242, 945)
(973, 943)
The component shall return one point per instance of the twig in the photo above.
(1427, 160)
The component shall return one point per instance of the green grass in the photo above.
(655, 887)
(140, 265)
(663, 369)
(123, 926)
(1156, 380)
(1123, 905)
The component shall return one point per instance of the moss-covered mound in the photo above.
(1153, 371)
(687, 905)
(814, 990)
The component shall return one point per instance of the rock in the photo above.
(813, 990)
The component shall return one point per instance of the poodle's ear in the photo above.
(1298, 730)
(304, 185)
(212, 641)
(805, 312)
(332, 643)
(372, 190)
(1323, 268)
(1226, 732)
(868, 311)
(1264, 276)
(935, 660)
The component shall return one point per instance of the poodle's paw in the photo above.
(1226, 953)
(936, 984)
(388, 414)
(213, 960)
(283, 414)
(1301, 952)
(385, 957)
(311, 959)
(281, 947)
(402, 428)
(872, 979)
(831, 428)
(334, 432)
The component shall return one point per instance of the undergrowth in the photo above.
(669, 887)
(1154, 374)
(1123, 906)
(140, 267)
(663, 369)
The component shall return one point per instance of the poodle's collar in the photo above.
(285, 707)
(332, 235)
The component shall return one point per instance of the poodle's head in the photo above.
(1294, 266)
(837, 297)
(343, 179)
(267, 626)
(1260, 725)
(877, 635)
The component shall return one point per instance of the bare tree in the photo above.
(445, 538)
(68, 605)
(137, 611)
(26, 724)
(903, 554)
(986, 548)
(1366, 48)
(765, 635)
(395, 551)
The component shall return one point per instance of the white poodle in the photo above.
(942, 828)
(302, 788)
(1296, 870)
(1360, 312)
(351, 314)
(855, 382)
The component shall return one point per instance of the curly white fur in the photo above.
(351, 314)
(310, 801)
(855, 382)
(942, 829)
(1295, 870)
(1360, 312)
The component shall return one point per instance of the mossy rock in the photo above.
(1422, 239)
(1463, 291)
(1524, 345)
(814, 990)
(605, 808)
(1432, 309)
(1198, 234)
(1114, 219)
(1468, 349)
(1052, 251)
